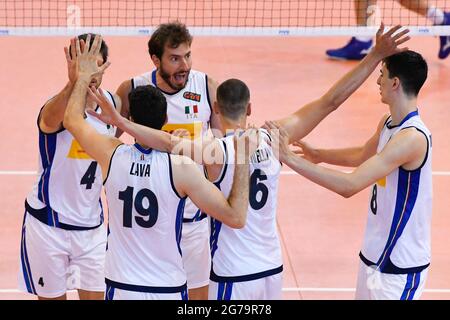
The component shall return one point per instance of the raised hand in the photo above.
(71, 59)
(109, 114)
(87, 58)
(280, 140)
(387, 43)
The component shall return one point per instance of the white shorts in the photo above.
(196, 253)
(54, 260)
(374, 285)
(267, 288)
(119, 294)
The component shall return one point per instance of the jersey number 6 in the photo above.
(258, 187)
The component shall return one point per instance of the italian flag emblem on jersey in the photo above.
(189, 110)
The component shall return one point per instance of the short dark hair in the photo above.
(410, 67)
(103, 47)
(233, 97)
(173, 34)
(148, 106)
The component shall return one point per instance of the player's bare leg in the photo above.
(198, 293)
(91, 295)
(63, 297)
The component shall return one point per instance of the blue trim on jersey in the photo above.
(248, 277)
(408, 116)
(142, 149)
(50, 217)
(225, 165)
(154, 78)
(27, 275)
(47, 149)
(179, 223)
(148, 289)
(407, 191)
(102, 218)
(184, 295)
(112, 99)
(108, 231)
(412, 283)
(216, 225)
(109, 294)
(171, 178)
(391, 268)
(207, 93)
(199, 216)
(224, 291)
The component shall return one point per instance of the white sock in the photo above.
(435, 15)
(363, 39)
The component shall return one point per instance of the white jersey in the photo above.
(254, 251)
(145, 218)
(67, 192)
(398, 231)
(188, 109)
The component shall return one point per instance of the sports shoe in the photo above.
(354, 50)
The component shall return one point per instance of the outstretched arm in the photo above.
(52, 114)
(156, 139)
(98, 146)
(347, 157)
(408, 147)
(299, 124)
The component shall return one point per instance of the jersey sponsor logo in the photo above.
(192, 96)
(195, 128)
(77, 152)
(382, 182)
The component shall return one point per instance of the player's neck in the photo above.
(401, 108)
(232, 125)
(142, 145)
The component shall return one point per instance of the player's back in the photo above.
(255, 248)
(145, 218)
(67, 191)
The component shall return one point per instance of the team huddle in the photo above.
(192, 203)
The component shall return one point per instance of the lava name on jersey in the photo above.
(140, 169)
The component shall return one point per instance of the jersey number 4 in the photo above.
(257, 187)
(145, 204)
(89, 177)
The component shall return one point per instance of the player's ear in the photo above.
(216, 107)
(249, 109)
(396, 83)
(156, 61)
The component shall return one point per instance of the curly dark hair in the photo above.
(173, 34)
